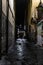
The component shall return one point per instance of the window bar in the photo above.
(0, 25)
(7, 27)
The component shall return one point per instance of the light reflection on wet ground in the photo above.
(18, 54)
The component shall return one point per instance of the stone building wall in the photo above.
(10, 25)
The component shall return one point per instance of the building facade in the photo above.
(10, 24)
(40, 23)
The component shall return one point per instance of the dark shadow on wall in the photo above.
(10, 34)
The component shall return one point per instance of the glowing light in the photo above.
(11, 4)
(34, 5)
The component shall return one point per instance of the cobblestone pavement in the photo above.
(20, 54)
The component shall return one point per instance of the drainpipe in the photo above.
(7, 26)
(0, 25)
(14, 17)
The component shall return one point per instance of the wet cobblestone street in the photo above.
(19, 54)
